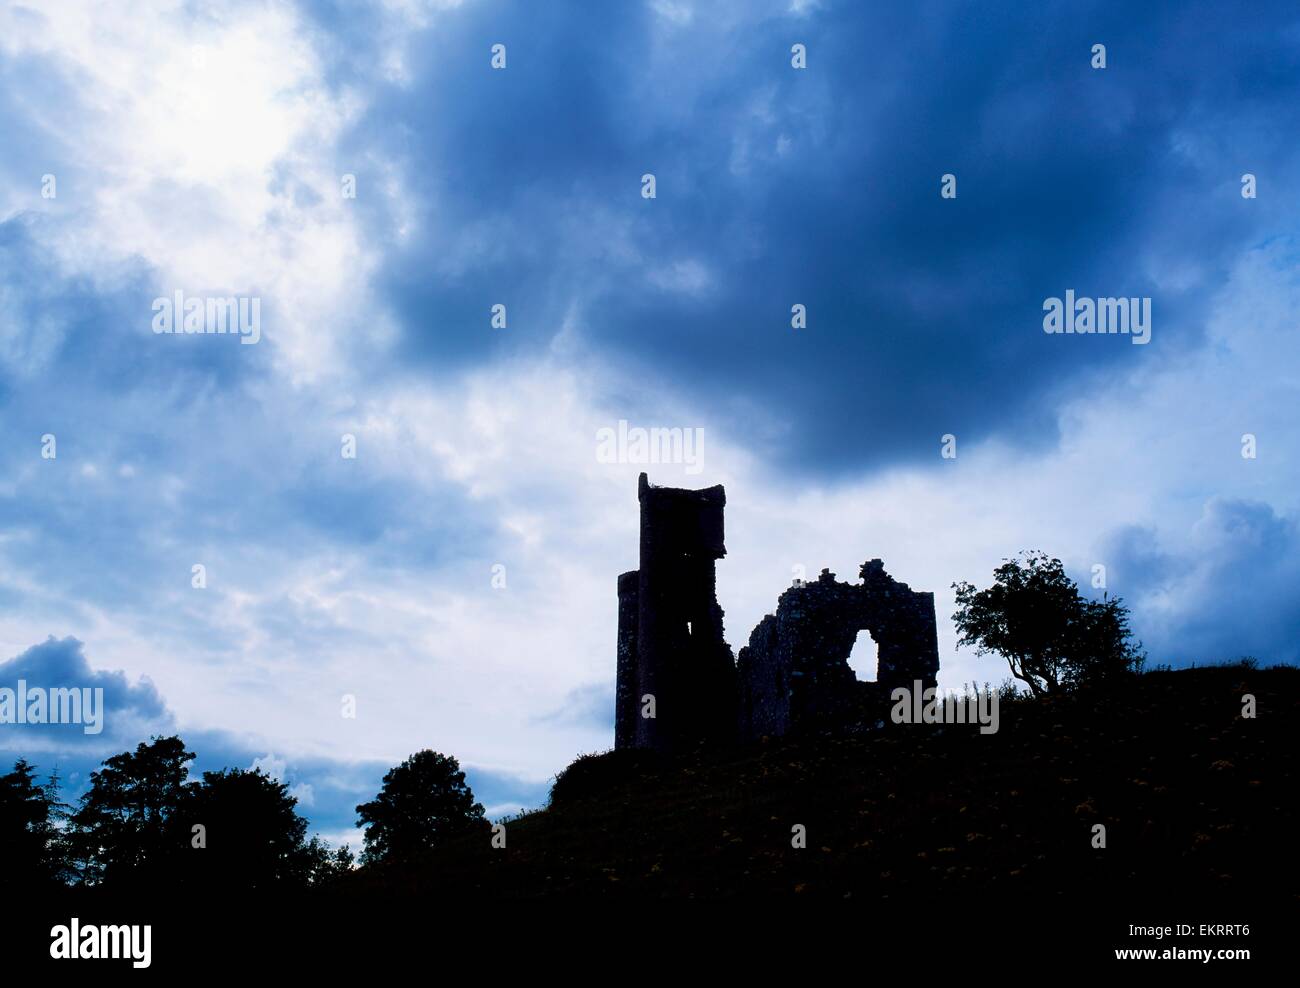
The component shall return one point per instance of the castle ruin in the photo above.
(677, 684)
(670, 644)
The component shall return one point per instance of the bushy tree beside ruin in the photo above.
(1052, 637)
(423, 803)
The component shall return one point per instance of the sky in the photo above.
(366, 173)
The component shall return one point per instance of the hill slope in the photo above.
(1194, 798)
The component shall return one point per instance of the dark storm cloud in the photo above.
(821, 187)
(122, 711)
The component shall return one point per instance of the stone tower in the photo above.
(670, 639)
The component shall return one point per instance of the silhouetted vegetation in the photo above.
(126, 830)
(143, 825)
(1051, 636)
(252, 835)
(329, 867)
(594, 775)
(29, 832)
(424, 802)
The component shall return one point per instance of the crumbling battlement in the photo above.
(794, 675)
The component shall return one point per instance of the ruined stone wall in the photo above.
(794, 674)
(626, 705)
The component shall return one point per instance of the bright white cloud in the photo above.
(205, 146)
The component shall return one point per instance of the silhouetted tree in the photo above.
(128, 827)
(1051, 637)
(328, 867)
(1104, 649)
(423, 802)
(138, 826)
(29, 832)
(252, 835)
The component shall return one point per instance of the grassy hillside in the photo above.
(1194, 799)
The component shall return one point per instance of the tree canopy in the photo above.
(29, 833)
(143, 823)
(423, 802)
(252, 835)
(1051, 636)
(126, 831)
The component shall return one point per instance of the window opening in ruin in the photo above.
(862, 657)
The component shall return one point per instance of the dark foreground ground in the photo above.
(919, 839)
(1193, 797)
